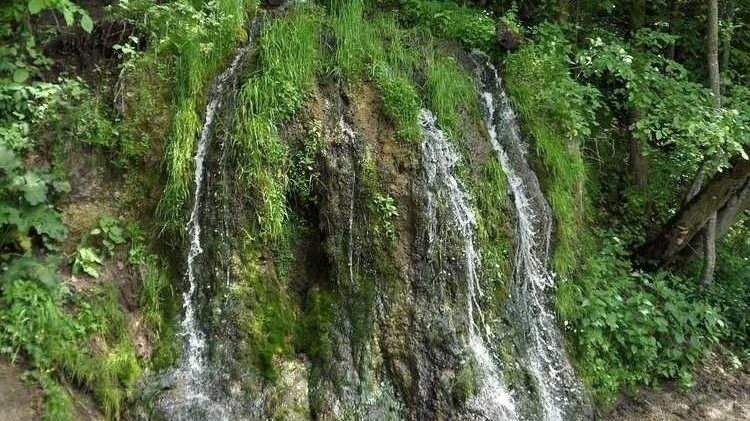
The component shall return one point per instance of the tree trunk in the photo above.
(674, 10)
(733, 209)
(709, 246)
(726, 217)
(709, 252)
(638, 164)
(662, 248)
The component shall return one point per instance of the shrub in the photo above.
(631, 328)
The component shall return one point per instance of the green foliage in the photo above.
(385, 210)
(57, 403)
(264, 314)
(656, 86)
(449, 91)
(288, 58)
(157, 299)
(57, 343)
(20, 56)
(558, 113)
(400, 101)
(199, 42)
(474, 28)
(630, 327)
(378, 50)
(87, 260)
(101, 240)
(25, 211)
(494, 228)
(305, 176)
(730, 293)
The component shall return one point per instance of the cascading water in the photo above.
(560, 394)
(492, 400)
(192, 368)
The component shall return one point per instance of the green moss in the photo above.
(464, 386)
(313, 331)
(263, 312)
(494, 229)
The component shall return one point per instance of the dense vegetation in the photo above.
(633, 134)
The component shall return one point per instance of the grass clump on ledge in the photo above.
(376, 49)
(199, 42)
(449, 90)
(287, 64)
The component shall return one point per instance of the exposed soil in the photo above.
(719, 394)
(19, 400)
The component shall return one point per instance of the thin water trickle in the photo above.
(193, 365)
(351, 136)
(492, 400)
(559, 391)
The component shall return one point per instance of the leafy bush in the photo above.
(449, 20)
(631, 328)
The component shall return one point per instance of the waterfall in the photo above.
(492, 400)
(193, 364)
(560, 394)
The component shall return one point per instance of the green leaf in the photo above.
(34, 189)
(20, 75)
(86, 23)
(8, 160)
(68, 16)
(35, 6)
(45, 221)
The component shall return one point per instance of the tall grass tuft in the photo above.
(449, 89)
(200, 42)
(375, 48)
(288, 59)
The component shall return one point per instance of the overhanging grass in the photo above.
(375, 48)
(288, 60)
(200, 41)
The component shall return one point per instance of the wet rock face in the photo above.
(388, 308)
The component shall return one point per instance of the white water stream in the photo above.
(193, 363)
(545, 358)
(492, 399)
